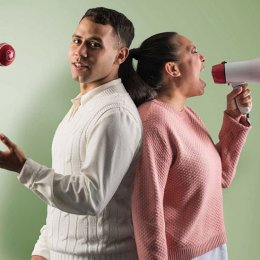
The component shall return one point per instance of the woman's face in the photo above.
(190, 66)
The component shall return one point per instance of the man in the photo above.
(94, 150)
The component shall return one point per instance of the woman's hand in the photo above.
(241, 95)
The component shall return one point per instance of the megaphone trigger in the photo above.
(243, 110)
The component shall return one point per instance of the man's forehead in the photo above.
(89, 28)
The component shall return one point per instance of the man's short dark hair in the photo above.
(122, 26)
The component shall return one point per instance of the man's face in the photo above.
(93, 54)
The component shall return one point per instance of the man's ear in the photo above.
(122, 55)
(172, 69)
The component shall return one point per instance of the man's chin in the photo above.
(75, 77)
(80, 79)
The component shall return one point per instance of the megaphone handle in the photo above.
(243, 110)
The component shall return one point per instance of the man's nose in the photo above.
(81, 50)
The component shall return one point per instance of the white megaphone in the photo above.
(236, 73)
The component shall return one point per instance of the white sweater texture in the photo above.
(88, 189)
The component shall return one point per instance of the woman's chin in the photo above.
(203, 83)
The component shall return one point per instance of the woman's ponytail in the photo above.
(138, 90)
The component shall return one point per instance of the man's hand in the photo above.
(37, 257)
(13, 158)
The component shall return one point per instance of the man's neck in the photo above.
(86, 87)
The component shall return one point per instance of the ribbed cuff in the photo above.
(124, 256)
(231, 127)
(189, 253)
(28, 173)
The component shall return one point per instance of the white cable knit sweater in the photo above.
(88, 189)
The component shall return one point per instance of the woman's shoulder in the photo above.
(151, 109)
(155, 115)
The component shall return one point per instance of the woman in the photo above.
(177, 200)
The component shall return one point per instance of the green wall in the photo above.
(35, 93)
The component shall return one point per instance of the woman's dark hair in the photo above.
(154, 52)
(122, 26)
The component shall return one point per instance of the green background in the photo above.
(36, 91)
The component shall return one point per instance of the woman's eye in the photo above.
(195, 50)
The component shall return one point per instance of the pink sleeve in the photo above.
(232, 138)
(147, 200)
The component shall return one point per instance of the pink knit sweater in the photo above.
(177, 199)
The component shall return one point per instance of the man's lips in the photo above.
(80, 65)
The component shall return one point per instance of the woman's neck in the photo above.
(172, 98)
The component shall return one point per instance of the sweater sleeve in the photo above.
(232, 138)
(147, 201)
(41, 247)
(112, 144)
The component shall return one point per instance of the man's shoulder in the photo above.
(115, 106)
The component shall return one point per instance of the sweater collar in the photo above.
(83, 99)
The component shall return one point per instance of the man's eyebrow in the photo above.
(96, 38)
(76, 36)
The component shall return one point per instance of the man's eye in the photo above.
(94, 45)
(76, 41)
(195, 50)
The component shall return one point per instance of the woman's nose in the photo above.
(202, 57)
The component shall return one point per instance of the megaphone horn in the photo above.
(237, 73)
(241, 71)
